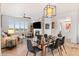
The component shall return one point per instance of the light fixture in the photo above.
(24, 16)
(49, 11)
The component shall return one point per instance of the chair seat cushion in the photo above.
(36, 49)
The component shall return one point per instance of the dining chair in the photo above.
(62, 43)
(38, 39)
(54, 46)
(46, 37)
(32, 49)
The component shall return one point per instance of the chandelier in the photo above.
(50, 11)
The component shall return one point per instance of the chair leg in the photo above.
(27, 53)
(52, 53)
(34, 53)
(61, 48)
(64, 49)
(60, 52)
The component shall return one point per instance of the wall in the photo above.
(5, 23)
(78, 25)
(73, 14)
(0, 29)
(74, 27)
(49, 31)
(47, 21)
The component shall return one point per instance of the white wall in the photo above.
(5, 23)
(73, 15)
(47, 21)
(0, 29)
(74, 27)
(50, 31)
(0, 20)
(78, 24)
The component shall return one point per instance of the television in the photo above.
(37, 25)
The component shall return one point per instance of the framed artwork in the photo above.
(53, 25)
(46, 26)
(68, 26)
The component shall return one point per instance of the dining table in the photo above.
(43, 44)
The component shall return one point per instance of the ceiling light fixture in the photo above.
(26, 17)
(49, 11)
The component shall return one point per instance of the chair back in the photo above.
(29, 45)
(63, 39)
(45, 35)
(39, 37)
(56, 43)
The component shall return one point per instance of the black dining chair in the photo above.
(62, 43)
(32, 49)
(46, 37)
(54, 46)
(38, 39)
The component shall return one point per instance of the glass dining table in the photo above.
(43, 44)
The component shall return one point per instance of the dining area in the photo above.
(46, 44)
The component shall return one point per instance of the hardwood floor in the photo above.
(21, 50)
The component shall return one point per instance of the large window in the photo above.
(22, 25)
(11, 27)
(11, 24)
(16, 26)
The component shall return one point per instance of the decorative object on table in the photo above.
(50, 36)
(50, 11)
(46, 26)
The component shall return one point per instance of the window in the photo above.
(11, 27)
(22, 25)
(17, 25)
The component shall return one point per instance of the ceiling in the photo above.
(34, 10)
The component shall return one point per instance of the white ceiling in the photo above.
(34, 10)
